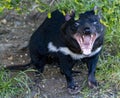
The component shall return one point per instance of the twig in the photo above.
(52, 2)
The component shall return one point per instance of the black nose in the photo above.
(87, 30)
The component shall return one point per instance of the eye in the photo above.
(76, 24)
(95, 22)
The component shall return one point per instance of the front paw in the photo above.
(73, 90)
(92, 84)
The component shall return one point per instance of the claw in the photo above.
(92, 84)
(74, 90)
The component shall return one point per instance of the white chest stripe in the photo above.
(66, 51)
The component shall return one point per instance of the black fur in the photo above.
(59, 30)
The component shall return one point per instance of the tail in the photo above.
(18, 67)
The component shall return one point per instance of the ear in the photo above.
(70, 16)
(97, 11)
(87, 14)
(94, 11)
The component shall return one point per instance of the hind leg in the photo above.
(39, 63)
(40, 66)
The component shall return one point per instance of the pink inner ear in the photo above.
(67, 17)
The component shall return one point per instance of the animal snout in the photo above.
(87, 30)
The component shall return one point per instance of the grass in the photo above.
(108, 75)
(15, 85)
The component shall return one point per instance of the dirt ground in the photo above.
(15, 32)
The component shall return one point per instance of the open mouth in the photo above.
(86, 42)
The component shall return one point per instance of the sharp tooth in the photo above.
(92, 35)
(81, 40)
(83, 36)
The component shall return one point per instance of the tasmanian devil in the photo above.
(68, 40)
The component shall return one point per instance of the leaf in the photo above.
(104, 23)
(49, 15)
(41, 10)
(63, 12)
(8, 1)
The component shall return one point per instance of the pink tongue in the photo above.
(86, 45)
(86, 40)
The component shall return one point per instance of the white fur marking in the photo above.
(66, 51)
(52, 48)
